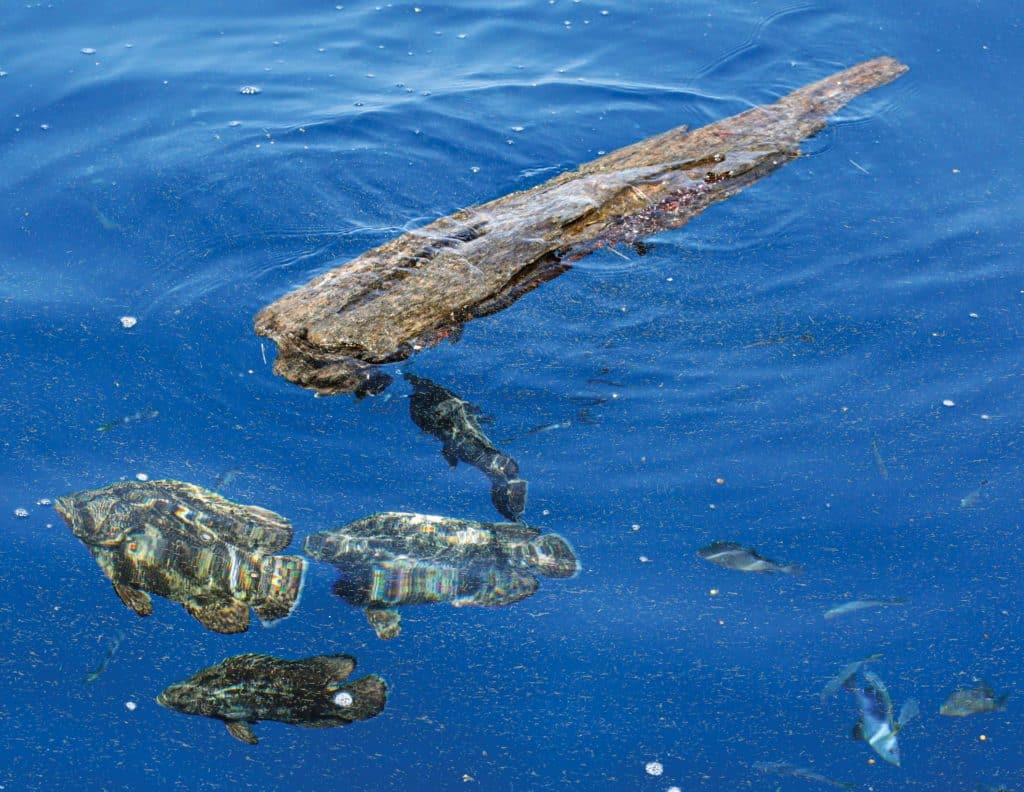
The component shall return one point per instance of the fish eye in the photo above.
(343, 699)
(133, 546)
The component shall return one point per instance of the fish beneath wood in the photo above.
(417, 290)
(252, 687)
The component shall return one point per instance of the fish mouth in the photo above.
(172, 698)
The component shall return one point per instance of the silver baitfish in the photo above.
(971, 701)
(744, 559)
(856, 605)
(247, 688)
(190, 545)
(876, 726)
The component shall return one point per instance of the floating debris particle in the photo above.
(948, 403)
(128, 322)
(654, 768)
(973, 315)
(644, 560)
(250, 90)
(130, 706)
(142, 476)
(634, 527)
(21, 513)
(88, 51)
(44, 502)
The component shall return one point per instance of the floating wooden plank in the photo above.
(418, 289)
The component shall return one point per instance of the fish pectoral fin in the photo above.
(449, 455)
(386, 623)
(226, 617)
(241, 730)
(136, 599)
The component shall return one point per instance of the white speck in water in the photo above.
(250, 90)
(654, 768)
(3, 73)
(973, 315)
(21, 512)
(44, 127)
(986, 417)
(948, 403)
(343, 699)
(646, 560)
(475, 169)
(142, 476)
(518, 128)
(546, 512)
(673, 789)
(635, 527)
(234, 123)
(88, 51)
(43, 502)
(604, 13)
(128, 322)
(461, 35)
(130, 706)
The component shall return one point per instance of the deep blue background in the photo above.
(143, 198)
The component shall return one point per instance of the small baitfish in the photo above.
(876, 725)
(114, 645)
(744, 559)
(849, 670)
(856, 605)
(971, 701)
(128, 420)
(793, 771)
(312, 693)
(190, 545)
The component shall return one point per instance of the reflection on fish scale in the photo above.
(190, 545)
(247, 688)
(394, 559)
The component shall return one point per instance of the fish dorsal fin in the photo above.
(241, 730)
(222, 616)
(386, 623)
(337, 668)
(134, 598)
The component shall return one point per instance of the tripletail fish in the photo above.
(744, 559)
(419, 289)
(971, 701)
(248, 688)
(190, 545)
(393, 559)
(456, 423)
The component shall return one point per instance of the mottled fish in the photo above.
(971, 701)
(876, 726)
(744, 559)
(455, 422)
(856, 605)
(247, 688)
(190, 545)
(393, 559)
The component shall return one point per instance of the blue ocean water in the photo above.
(777, 373)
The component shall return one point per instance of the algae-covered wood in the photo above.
(418, 289)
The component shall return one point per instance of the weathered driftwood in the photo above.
(418, 289)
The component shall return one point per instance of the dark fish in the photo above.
(128, 420)
(783, 769)
(744, 559)
(456, 423)
(971, 701)
(190, 545)
(414, 291)
(114, 645)
(393, 559)
(876, 725)
(247, 688)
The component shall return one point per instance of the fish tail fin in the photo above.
(793, 569)
(359, 700)
(553, 556)
(280, 587)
